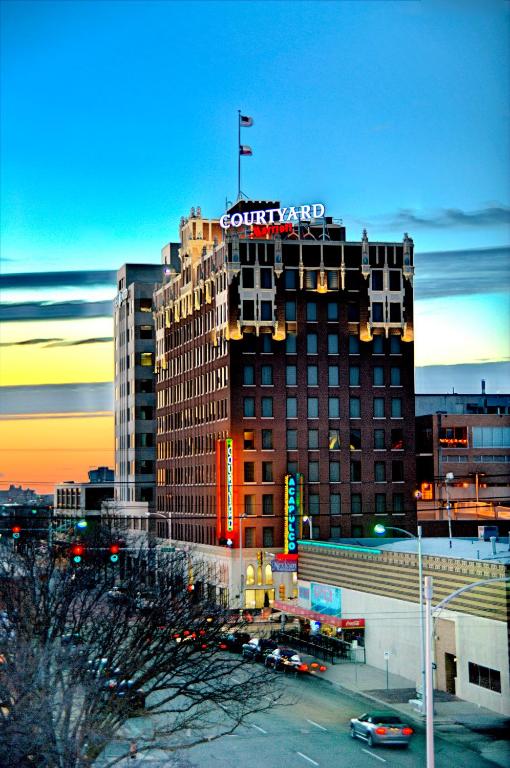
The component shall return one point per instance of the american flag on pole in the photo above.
(245, 121)
(244, 149)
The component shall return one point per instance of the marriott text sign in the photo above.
(299, 213)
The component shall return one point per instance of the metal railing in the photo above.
(327, 648)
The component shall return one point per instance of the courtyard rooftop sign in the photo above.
(300, 213)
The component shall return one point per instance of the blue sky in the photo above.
(117, 117)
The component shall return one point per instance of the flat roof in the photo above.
(462, 548)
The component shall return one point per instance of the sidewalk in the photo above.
(473, 726)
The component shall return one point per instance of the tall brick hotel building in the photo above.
(283, 349)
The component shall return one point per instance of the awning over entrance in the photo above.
(296, 610)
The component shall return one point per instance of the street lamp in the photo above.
(308, 520)
(380, 530)
(429, 618)
(241, 587)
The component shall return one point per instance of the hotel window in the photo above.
(249, 440)
(266, 343)
(396, 408)
(249, 472)
(333, 376)
(292, 467)
(313, 471)
(335, 504)
(268, 537)
(146, 331)
(313, 503)
(248, 309)
(354, 408)
(311, 343)
(266, 407)
(334, 471)
(395, 346)
(291, 344)
(249, 538)
(395, 312)
(145, 305)
(353, 313)
(267, 439)
(248, 407)
(355, 471)
(395, 377)
(313, 408)
(249, 504)
(356, 504)
(332, 311)
(290, 311)
(291, 375)
(332, 343)
(378, 376)
(378, 345)
(292, 407)
(292, 439)
(248, 374)
(146, 359)
(354, 376)
(334, 440)
(311, 311)
(266, 277)
(380, 503)
(290, 278)
(267, 504)
(312, 375)
(266, 375)
(395, 280)
(484, 677)
(250, 570)
(397, 439)
(377, 312)
(353, 344)
(268, 574)
(266, 310)
(267, 471)
(313, 439)
(379, 439)
(380, 472)
(398, 503)
(355, 440)
(248, 277)
(377, 280)
(397, 471)
(378, 407)
(311, 279)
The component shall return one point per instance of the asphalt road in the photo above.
(314, 731)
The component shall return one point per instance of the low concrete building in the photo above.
(377, 588)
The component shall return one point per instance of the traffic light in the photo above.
(260, 558)
(34, 511)
(77, 551)
(16, 530)
(114, 553)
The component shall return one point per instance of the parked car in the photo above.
(381, 728)
(117, 595)
(257, 647)
(286, 659)
(234, 641)
(124, 689)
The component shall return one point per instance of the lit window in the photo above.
(146, 359)
(334, 440)
(249, 440)
(250, 575)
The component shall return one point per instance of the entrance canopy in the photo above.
(334, 621)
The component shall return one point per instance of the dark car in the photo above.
(122, 689)
(234, 641)
(285, 658)
(257, 647)
(381, 728)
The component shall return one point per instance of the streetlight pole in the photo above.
(381, 529)
(241, 585)
(448, 478)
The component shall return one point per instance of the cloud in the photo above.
(59, 279)
(44, 310)
(79, 342)
(56, 399)
(495, 215)
(462, 273)
(27, 342)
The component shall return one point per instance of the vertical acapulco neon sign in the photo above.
(292, 505)
(229, 460)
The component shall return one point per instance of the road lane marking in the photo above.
(258, 728)
(372, 755)
(307, 758)
(312, 722)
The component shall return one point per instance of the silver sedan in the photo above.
(381, 728)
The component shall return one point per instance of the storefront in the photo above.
(315, 625)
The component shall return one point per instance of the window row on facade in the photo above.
(377, 407)
(266, 378)
(380, 471)
(213, 410)
(204, 384)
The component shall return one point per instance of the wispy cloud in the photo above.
(27, 342)
(59, 279)
(495, 215)
(462, 273)
(65, 310)
(51, 398)
(79, 342)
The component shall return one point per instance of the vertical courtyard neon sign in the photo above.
(292, 503)
(229, 457)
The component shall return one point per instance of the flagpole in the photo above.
(238, 154)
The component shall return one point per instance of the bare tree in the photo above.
(77, 660)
